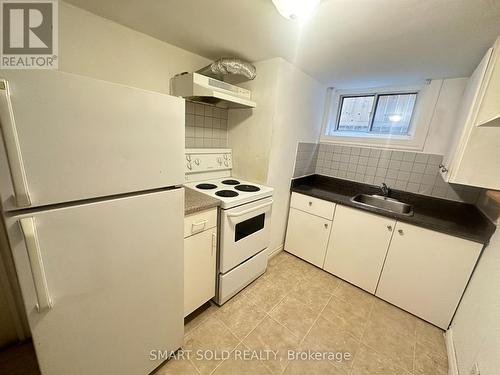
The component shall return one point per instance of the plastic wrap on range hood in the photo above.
(229, 66)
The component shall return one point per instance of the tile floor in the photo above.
(296, 306)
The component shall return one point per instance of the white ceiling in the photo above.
(347, 43)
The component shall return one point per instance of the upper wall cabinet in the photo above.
(472, 158)
(489, 103)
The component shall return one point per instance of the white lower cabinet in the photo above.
(358, 246)
(426, 272)
(307, 236)
(419, 270)
(200, 252)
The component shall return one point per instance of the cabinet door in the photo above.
(489, 109)
(358, 246)
(426, 272)
(199, 269)
(472, 159)
(307, 236)
(464, 120)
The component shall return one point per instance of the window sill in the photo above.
(375, 140)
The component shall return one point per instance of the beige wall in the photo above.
(289, 110)
(94, 46)
(300, 108)
(250, 130)
(476, 326)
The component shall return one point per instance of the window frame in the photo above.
(376, 97)
(423, 111)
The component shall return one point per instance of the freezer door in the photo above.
(67, 137)
(103, 282)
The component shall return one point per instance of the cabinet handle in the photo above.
(214, 243)
(443, 168)
(310, 203)
(400, 231)
(195, 227)
(326, 226)
(389, 227)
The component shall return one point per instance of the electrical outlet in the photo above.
(475, 370)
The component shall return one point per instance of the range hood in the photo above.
(199, 88)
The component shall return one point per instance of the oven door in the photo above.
(244, 232)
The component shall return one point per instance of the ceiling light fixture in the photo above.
(296, 9)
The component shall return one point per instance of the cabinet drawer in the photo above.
(199, 222)
(313, 206)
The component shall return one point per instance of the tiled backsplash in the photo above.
(206, 126)
(402, 170)
(305, 162)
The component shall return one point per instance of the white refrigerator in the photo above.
(90, 175)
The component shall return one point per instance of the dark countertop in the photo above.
(454, 218)
(196, 202)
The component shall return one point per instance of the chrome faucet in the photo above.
(384, 189)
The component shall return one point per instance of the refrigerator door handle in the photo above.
(36, 264)
(13, 148)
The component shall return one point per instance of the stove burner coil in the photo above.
(206, 186)
(247, 188)
(231, 182)
(226, 193)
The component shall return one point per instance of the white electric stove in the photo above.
(244, 218)
(232, 191)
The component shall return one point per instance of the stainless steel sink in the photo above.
(383, 203)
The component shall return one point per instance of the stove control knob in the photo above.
(219, 160)
(197, 161)
(226, 163)
(189, 166)
(225, 156)
(188, 157)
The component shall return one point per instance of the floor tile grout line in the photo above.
(310, 328)
(317, 317)
(194, 366)
(414, 357)
(305, 276)
(369, 320)
(303, 304)
(281, 324)
(231, 332)
(221, 362)
(383, 355)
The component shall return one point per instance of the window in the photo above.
(376, 113)
(398, 117)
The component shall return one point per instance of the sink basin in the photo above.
(383, 203)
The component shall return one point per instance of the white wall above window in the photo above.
(427, 98)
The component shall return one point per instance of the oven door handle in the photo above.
(241, 213)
